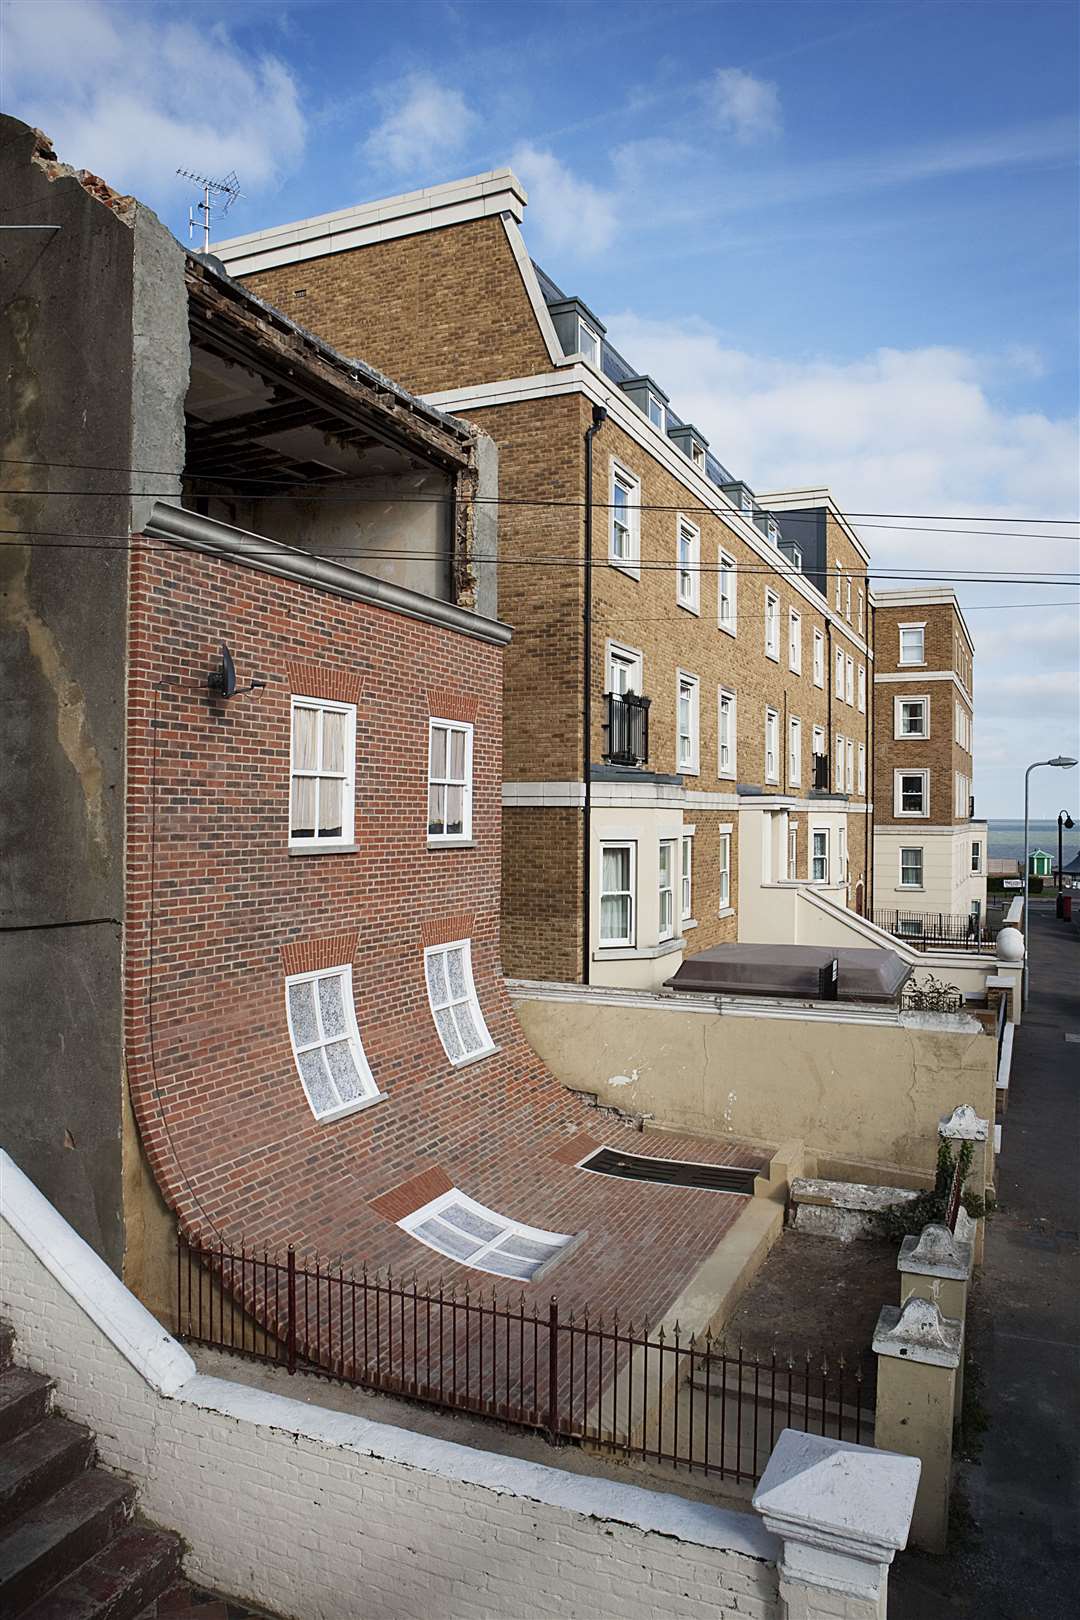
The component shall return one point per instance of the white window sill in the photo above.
(637, 953)
(919, 663)
(631, 569)
(451, 843)
(912, 815)
(473, 1057)
(772, 781)
(726, 911)
(726, 776)
(793, 782)
(688, 922)
(688, 607)
(323, 849)
(910, 888)
(689, 770)
(773, 657)
(346, 1109)
(820, 685)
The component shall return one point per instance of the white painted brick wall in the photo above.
(323, 1516)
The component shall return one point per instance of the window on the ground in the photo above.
(617, 894)
(450, 747)
(326, 1042)
(323, 753)
(911, 868)
(452, 994)
(473, 1235)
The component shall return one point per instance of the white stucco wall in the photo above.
(326, 1516)
(949, 884)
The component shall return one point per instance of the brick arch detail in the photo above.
(315, 955)
(330, 681)
(444, 705)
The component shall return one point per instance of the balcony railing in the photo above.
(627, 728)
(971, 808)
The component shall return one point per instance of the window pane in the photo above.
(316, 1083)
(616, 870)
(470, 1035)
(302, 1013)
(448, 1033)
(455, 810)
(342, 1064)
(438, 753)
(527, 1248)
(455, 962)
(436, 977)
(302, 819)
(615, 916)
(330, 796)
(666, 851)
(506, 1265)
(457, 756)
(436, 809)
(333, 741)
(447, 1238)
(468, 1221)
(305, 724)
(332, 1006)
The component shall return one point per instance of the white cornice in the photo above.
(532, 288)
(575, 376)
(932, 596)
(479, 197)
(915, 676)
(628, 795)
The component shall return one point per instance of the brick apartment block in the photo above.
(439, 288)
(930, 852)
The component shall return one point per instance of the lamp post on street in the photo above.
(1060, 762)
(1064, 820)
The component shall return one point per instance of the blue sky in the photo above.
(843, 235)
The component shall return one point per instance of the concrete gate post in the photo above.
(936, 1265)
(918, 1353)
(842, 1512)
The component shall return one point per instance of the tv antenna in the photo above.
(229, 188)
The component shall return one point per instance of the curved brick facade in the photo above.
(219, 911)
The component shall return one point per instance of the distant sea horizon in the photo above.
(1005, 839)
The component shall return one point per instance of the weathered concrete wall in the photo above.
(864, 1096)
(93, 324)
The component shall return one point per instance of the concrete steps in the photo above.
(69, 1549)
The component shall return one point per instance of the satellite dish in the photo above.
(222, 681)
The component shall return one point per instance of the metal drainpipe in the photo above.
(871, 739)
(599, 416)
(829, 682)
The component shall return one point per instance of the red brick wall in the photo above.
(224, 1120)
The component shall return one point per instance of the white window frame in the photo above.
(724, 871)
(838, 675)
(912, 849)
(794, 760)
(772, 625)
(726, 699)
(819, 659)
(794, 641)
(836, 570)
(817, 859)
(727, 592)
(666, 930)
(772, 744)
(911, 663)
(684, 678)
(838, 766)
(862, 770)
(627, 657)
(631, 936)
(450, 726)
(898, 795)
(861, 619)
(347, 777)
(370, 1092)
(508, 1231)
(793, 852)
(686, 876)
(849, 680)
(847, 602)
(862, 688)
(631, 562)
(653, 400)
(592, 351)
(976, 854)
(849, 769)
(688, 576)
(469, 999)
(817, 740)
(898, 717)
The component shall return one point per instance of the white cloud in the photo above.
(742, 105)
(135, 99)
(566, 214)
(424, 123)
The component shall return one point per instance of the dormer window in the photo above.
(656, 412)
(588, 344)
(746, 502)
(697, 455)
(578, 329)
(773, 531)
(692, 444)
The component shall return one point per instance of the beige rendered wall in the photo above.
(862, 1096)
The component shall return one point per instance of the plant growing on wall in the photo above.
(931, 1207)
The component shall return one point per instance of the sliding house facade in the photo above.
(930, 850)
(686, 699)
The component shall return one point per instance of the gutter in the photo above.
(183, 528)
(599, 416)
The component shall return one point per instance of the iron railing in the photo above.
(821, 773)
(956, 1188)
(936, 930)
(627, 728)
(681, 1402)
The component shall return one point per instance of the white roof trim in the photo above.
(532, 288)
(483, 195)
(792, 499)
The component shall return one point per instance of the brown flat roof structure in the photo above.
(873, 974)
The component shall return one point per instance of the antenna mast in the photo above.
(229, 188)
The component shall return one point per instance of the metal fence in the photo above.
(686, 1403)
(936, 930)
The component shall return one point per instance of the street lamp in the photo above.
(1060, 762)
(1064, 820)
